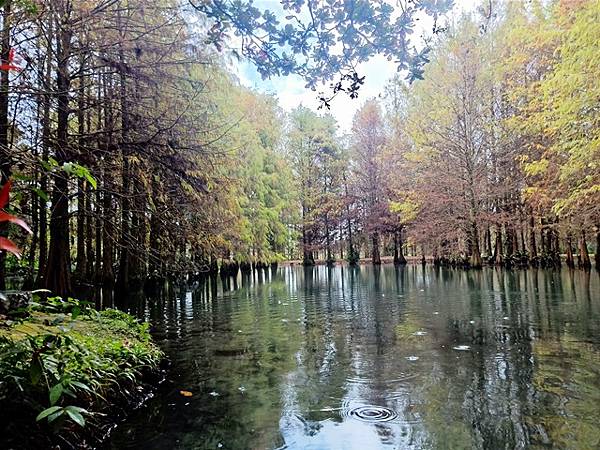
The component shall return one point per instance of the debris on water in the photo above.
(240, 331)
(422, 290)
(284, 320)
(242, 389)
(435, 313)
(462, 348)
(505, 318)
(186, 404)
(219, 445)
(412, 358)
(419, 333)
(214, 394)
(471, 321)
(186, 393)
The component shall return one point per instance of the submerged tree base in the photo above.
(66, 379)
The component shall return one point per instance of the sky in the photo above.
(291, 92)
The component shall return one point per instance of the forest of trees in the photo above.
(136, 154)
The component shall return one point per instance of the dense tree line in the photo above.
(501, 137)
(137, 155)
(491, 158)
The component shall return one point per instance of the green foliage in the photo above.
(407, 209)
(72, 169)
(323, 41)
(67, 367)
(318, 162)
(261, 196)
(556, 101)
(79, 171)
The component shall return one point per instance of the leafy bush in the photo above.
(66, 363)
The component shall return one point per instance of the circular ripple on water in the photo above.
(374, 414)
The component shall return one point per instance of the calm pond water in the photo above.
(371, 358)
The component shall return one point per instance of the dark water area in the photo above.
(369, 358)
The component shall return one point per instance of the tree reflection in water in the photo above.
(371, 357)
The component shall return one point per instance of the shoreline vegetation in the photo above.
(69, 373)
(522, 261)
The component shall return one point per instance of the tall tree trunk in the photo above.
(475, 260)
(328, 255)
(556, 246)
(89, 232)
(81, 260)
(533, 254)
(570, 261)
(97, 270)
(488, 241)
(5, 152)
(597, 254)
(46, 131)
(155, 251)
(35, 202)
(508, 244)
(515, 241)
(498, 247)
(58, 271)
(108, 210)
(375, 255)
(307, 255)
(399, 258)
(137, 270)
(341, 241)
(352, 259)
(584, 262)
(126, 174)
(108, 233)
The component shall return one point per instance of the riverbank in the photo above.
(384, 260)
(69, 374)
(431, 260)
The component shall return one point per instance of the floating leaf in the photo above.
(186, 393)
(462, 348)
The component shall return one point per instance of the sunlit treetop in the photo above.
(323, 41)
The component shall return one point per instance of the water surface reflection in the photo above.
(319, 358)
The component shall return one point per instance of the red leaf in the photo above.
(5, 217)
(9, 67)
(9, 246)
(4, 194)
